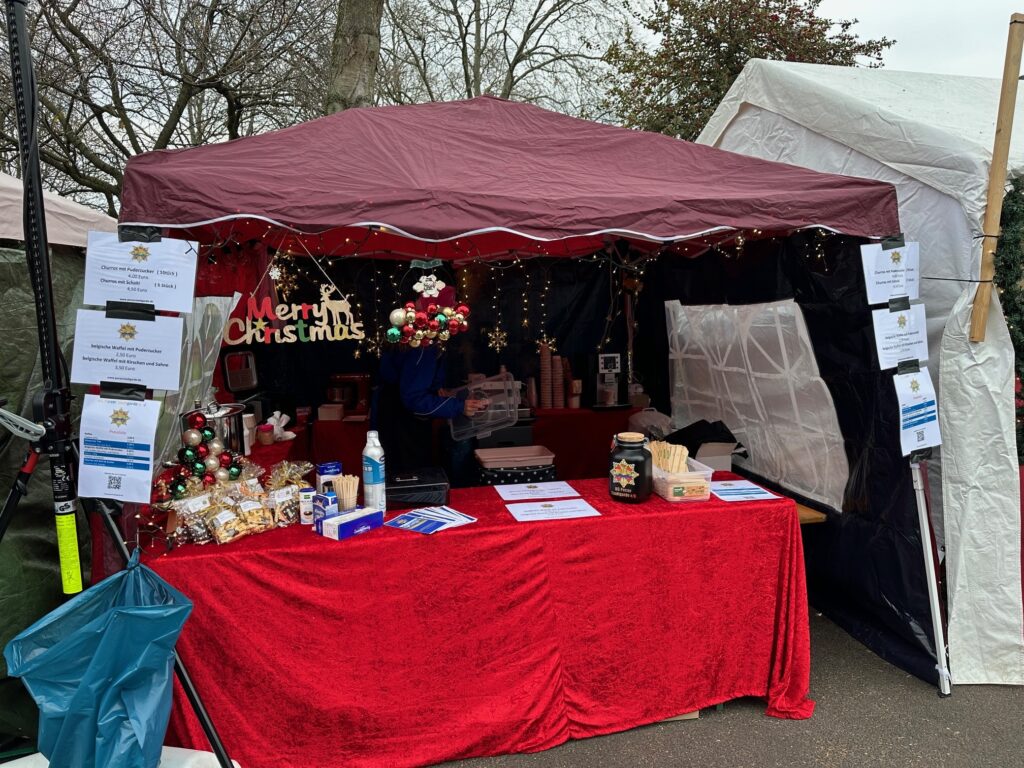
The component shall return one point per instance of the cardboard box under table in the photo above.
(397, 649)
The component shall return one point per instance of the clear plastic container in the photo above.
(694, 485)
(502, 395)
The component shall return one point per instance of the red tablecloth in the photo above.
(399, 649)
(580, 438)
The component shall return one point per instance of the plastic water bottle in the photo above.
(373, 473)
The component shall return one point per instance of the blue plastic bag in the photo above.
(99, 668)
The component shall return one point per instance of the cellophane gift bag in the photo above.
(100, 669)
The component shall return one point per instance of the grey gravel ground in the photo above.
(869, 713)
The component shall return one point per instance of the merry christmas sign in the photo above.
(331, 319)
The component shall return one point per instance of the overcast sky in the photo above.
(956, 37)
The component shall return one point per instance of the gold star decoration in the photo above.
(896, 257)
(497, 339)
(901, 321)
(140, 253)
(914, 385)
(127, 331)
(119, 417)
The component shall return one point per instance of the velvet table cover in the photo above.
(400, 649)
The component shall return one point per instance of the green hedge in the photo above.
(1009, 277)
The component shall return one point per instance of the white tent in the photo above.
(931, 137)
(67, 222)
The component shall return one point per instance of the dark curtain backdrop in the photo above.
(864, 565)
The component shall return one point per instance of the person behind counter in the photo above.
(410, 396)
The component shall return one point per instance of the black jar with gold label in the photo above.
(629, 468)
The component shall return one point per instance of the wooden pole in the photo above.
(997, 176)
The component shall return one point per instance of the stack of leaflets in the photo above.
(430, 520)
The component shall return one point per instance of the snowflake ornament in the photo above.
(275, 273)
(429, 285)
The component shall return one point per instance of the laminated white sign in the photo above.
(162, 273)
(919, 416)
(116, 451)
(143, 352)
(900, 335)
(891, 273)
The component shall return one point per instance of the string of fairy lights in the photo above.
(293, 273)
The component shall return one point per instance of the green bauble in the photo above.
(208, 434)
(394, 335)
(199, 468)
(234, 471)
(442, 319)
(178, 489)
(190, 454)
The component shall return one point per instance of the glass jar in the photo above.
(629, 468)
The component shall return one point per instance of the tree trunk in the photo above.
(354, 55)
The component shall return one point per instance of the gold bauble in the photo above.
(458, 317)
(414, 342)
(418, 335)
(448, 311)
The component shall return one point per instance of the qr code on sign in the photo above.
(113, 482)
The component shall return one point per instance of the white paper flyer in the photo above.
(162, 274)
(116, 450)
(901, 335)
(919, 416)
(144, 352)
(891, 273)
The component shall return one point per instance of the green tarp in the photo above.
(29, 574)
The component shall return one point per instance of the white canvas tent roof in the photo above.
(931, 137)
(67, 222)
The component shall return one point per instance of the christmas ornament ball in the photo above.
(443, 335)
(448, 311)
(192, 437)
(209, 479)
(414, 342)
(397, 317)
(464, 327)
(458, 317)
(433, 325)
(211, 463)
(202, 450)
(432, 309)
(234, 471)
(198, 468)
(463, 310)
(197, 421)
(216, 446)
(222, 475)
(420, 319)
(410, 305)
(427, 342)
(441, 319)
(408, 330)
(208, 434)
(393, 334)
(225, 460)
(410, 317)
(431, 334)
(418, 335)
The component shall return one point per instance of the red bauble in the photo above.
(408, 330)
(433, 325)
(410, 305)
(463, 310)
(421, 319)
(432, 309)
(453, 329)
(225, 460)
(464, 327)
(405, 339)
(202, 450)
(426, 342)
(209, 479)
(197, 421)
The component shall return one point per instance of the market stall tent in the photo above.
(931, 137)
(486, 179)
(67, 222)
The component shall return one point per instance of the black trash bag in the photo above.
(100, 669)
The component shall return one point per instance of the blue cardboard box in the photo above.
(340, 527)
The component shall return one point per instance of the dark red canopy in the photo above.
(478, 178)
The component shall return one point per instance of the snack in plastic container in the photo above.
(224, 522)
(285, 503)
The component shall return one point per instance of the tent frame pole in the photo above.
(997, 177)
(941, 658)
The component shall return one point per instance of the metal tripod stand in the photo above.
(49, 432)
